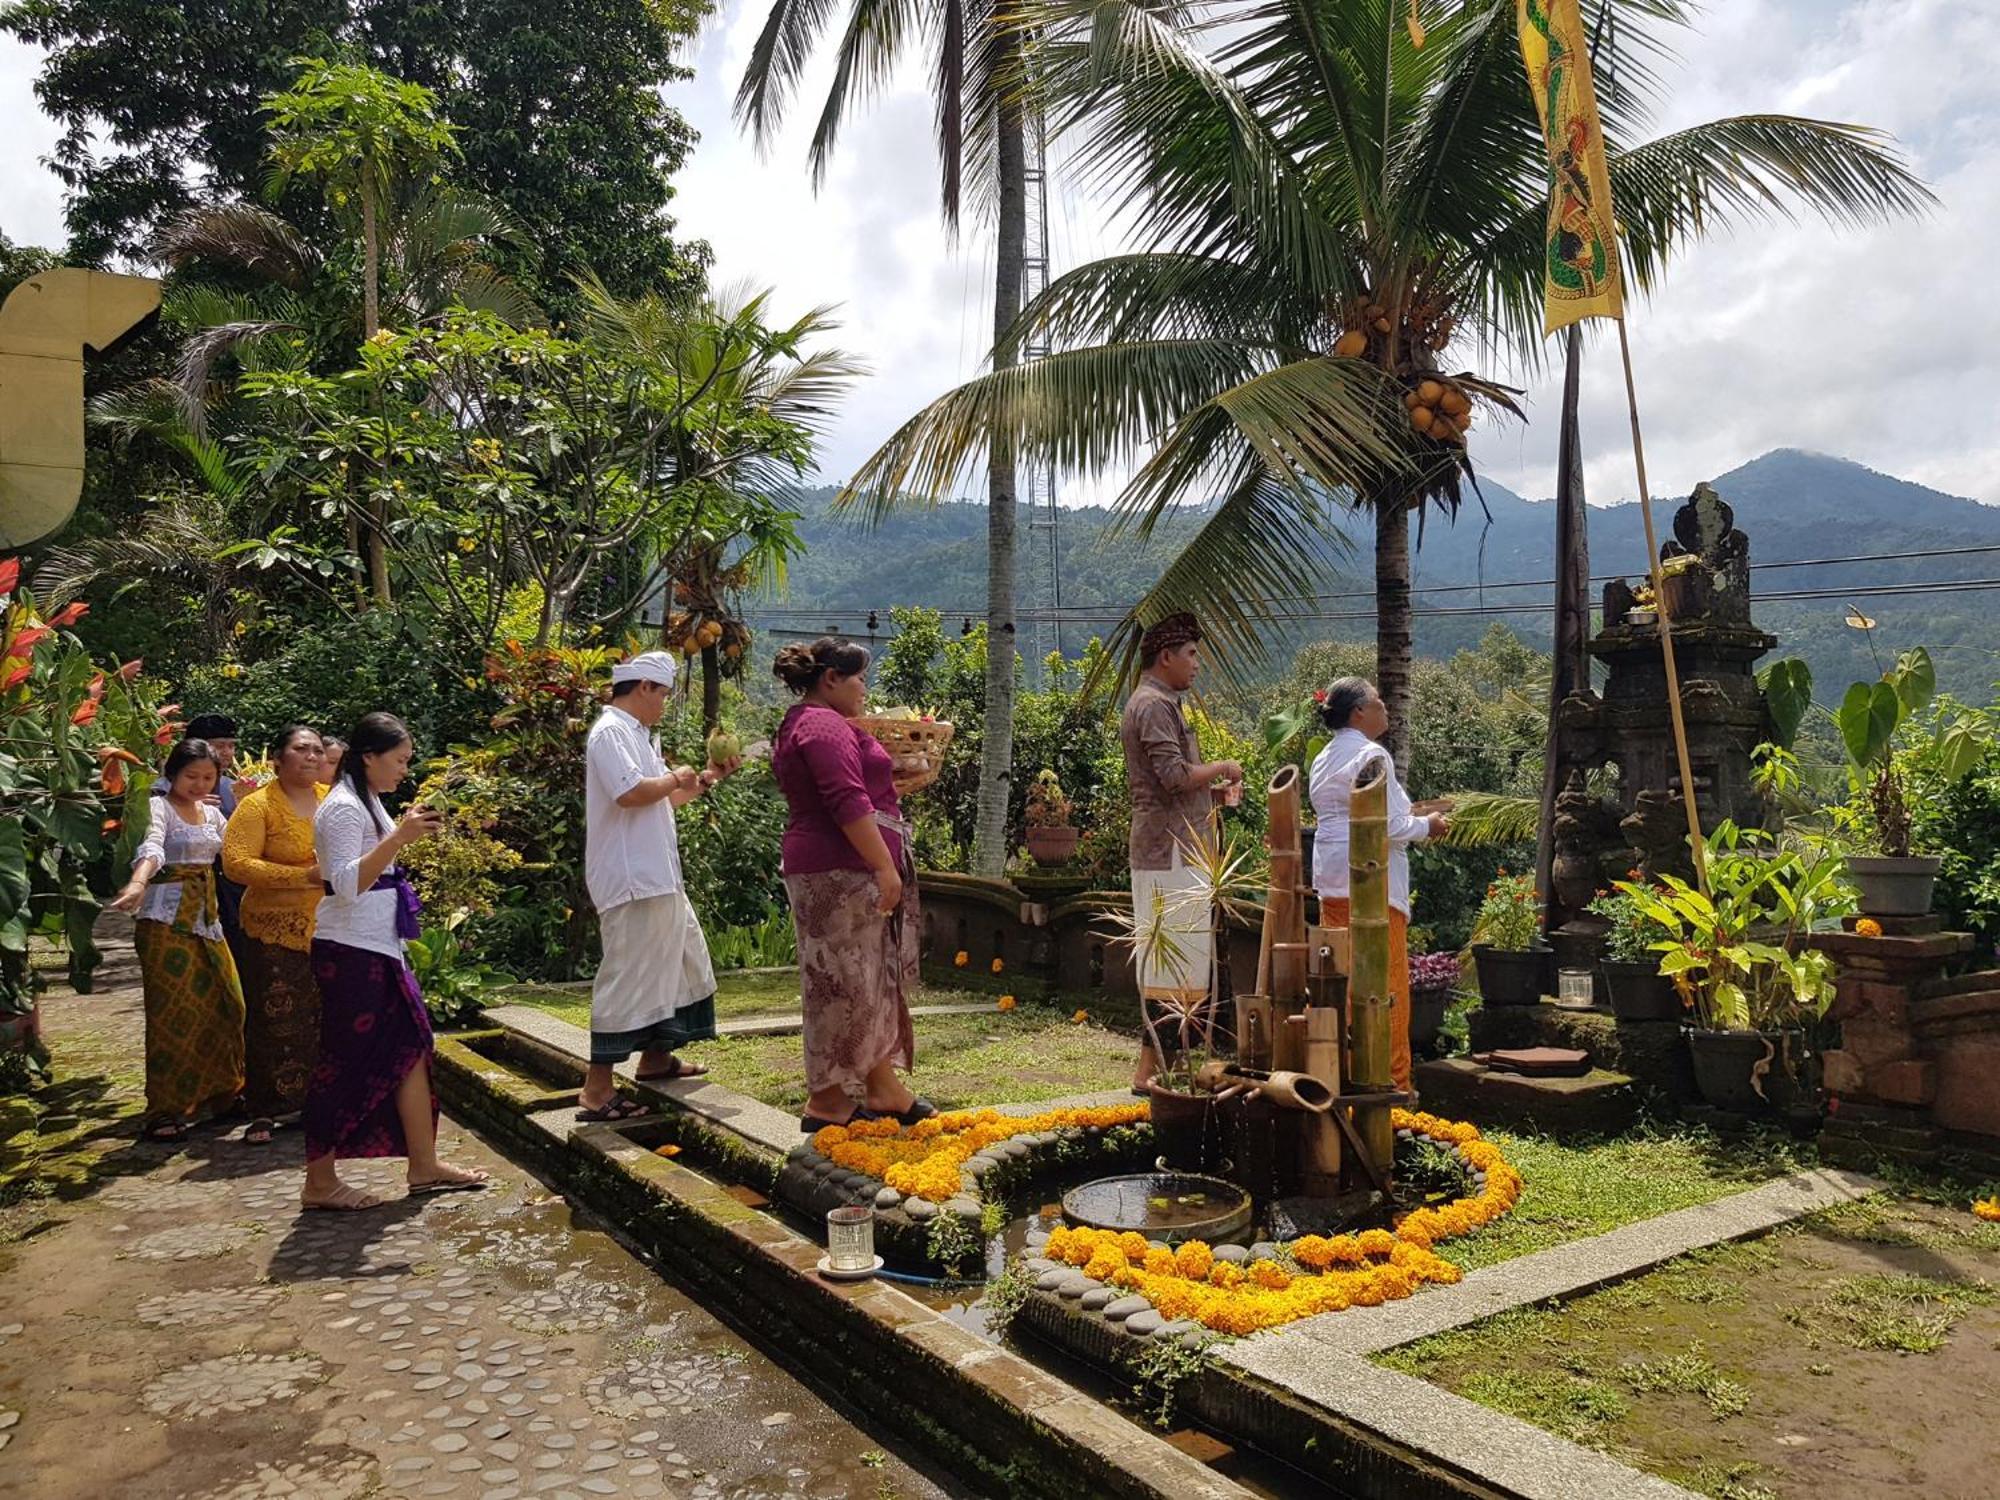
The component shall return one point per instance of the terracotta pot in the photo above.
(1639, 992)
(1892, 887)
(1511, 976)
(1725, 1069)
(1188, 1130)
(1050, 847)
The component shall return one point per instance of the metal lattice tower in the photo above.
(1043, 512)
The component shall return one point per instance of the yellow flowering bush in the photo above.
(1335, 1272)
(1987, 1209)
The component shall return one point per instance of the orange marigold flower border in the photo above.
(1319, 1273)
(927, 1160)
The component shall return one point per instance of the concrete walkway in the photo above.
(183, 1331)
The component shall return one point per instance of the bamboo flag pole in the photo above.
(1583, 240)
(1696, 846)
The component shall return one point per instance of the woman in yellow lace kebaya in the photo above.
(268, 850)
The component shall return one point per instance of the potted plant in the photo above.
(1181, 1024)
(1051, 836)
(1507, 948)
(1739, 961)
(1433, 976)
(1631, 969)
(1872, 717)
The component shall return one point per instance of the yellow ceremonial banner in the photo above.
(1581, 276)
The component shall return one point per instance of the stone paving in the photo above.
(186, 1332)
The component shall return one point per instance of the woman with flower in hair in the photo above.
(194, 1001)
(1352, 710)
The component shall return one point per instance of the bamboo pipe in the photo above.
(1287, 1090)
(1282, 975)
(1368, 942)
(1322, 1165)
(1253, 1031)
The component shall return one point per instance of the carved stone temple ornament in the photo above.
(46, 324)
(1640, 823)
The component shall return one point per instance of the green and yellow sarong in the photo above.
(194, 1004)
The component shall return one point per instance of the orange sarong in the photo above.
(1333, 912)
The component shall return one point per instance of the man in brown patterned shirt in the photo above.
(1173, 800)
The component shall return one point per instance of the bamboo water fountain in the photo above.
(1312, 1042)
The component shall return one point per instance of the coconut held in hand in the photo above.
(723, 747)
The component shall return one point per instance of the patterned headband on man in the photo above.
(1169, 634)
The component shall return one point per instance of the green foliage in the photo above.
(329, 672)
(950, 1242)
(355, 129)
(1005, 1296)
(1163, 1368)
(1510, 916)
(1634, 929)
(1737, 953)
(769, 944)
(455, 983)
(1889, 737)
(67, 785)
(1787, 688)
(1959, 820)
(586, 169)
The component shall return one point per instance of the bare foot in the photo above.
(443, 1177)
(340, 1198)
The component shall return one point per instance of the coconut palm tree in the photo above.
(974, 56)
(1328, 212)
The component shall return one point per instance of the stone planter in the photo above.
(1427, 1008)
(1187, 1128)
(1892, 887)
(1511, 976)
(1050, 847)
(1725, 1070)
(1639, 992)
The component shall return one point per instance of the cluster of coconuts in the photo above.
(1440, 410)
(693, 630)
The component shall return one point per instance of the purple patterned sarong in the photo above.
(373, 1031)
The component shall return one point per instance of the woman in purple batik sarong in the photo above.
(370, 1093)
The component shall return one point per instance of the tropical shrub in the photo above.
(1510, 918)
(1633, 931)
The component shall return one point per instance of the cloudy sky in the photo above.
(1878, 346)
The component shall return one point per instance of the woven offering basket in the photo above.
(917, 747)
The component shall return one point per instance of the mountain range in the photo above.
(1836, 517)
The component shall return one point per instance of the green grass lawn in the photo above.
(1026, 1054)
(1575, 1189)
(1030, 1053)
(740, 994)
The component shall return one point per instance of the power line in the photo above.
(1082, 612)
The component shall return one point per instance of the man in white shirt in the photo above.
(655, 990)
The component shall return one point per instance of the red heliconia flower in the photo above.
(16, 677)
(10, 575)
(69, 614)
(130, 671)
(96, 688)
(168, 733)
(112, 825)
(26, 639)
(85, 712)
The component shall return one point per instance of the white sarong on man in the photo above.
(655, 957)
(1176, 939)
(655, 961)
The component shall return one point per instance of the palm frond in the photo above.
(1479, 819)
(777, 60)
(244, 237)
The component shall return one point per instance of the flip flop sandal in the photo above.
(449, 1185)
(168, 1130)
(681, 1069)
(348, 1200)
(811, 1123)
(617, 1110)
(259, 1132)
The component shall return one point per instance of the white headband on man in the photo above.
(647, 666)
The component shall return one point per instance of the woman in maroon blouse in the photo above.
(853, 891)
